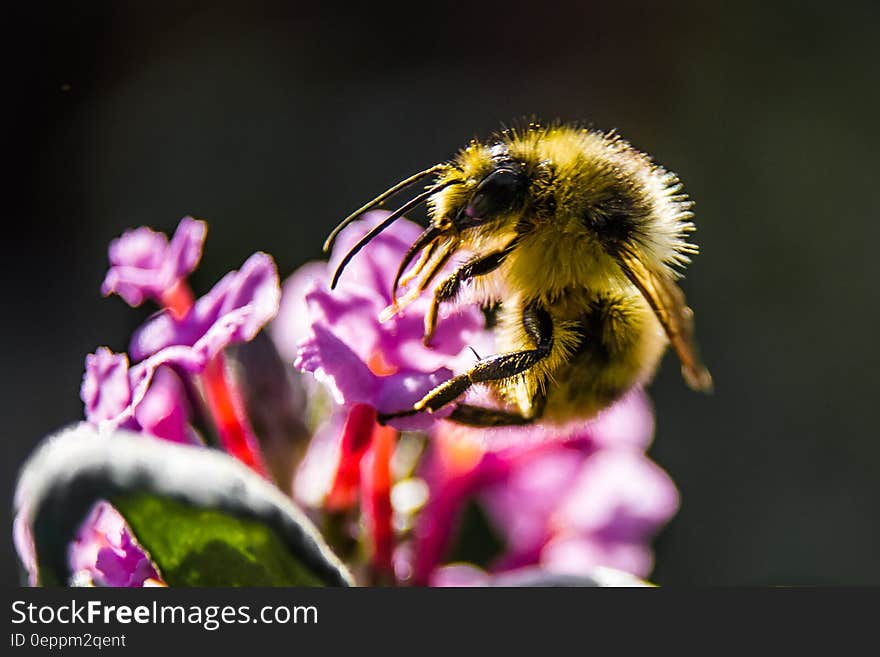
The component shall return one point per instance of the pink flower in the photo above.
(588, 498)
(337, 336)
(104, 552)
(145, 265)
(184, 341)
(147, 397)
(235, 310)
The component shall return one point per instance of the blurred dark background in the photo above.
(274, 119)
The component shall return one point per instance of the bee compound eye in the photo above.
(496, 192)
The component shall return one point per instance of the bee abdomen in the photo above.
(618, 346)
(609, 327)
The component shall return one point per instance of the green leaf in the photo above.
(204, 518)
(207, 547)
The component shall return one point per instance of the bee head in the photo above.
(493, 191)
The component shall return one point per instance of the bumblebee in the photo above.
(580, 238)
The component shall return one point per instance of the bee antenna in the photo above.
(390, 219)
(331, 239)
(423, 240)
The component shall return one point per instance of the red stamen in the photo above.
(178, 299)
(356, 436)
(227, 410)
(376, 487)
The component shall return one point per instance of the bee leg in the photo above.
(480, 416)
(449, 288)
(474, 416)
(383, 418)
(537, 324)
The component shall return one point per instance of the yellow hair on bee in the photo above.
(580, 237)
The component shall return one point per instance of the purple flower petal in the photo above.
(353, 315)
(455, 470)
(402, 390)
(164, 410)
(629, 422)
(314, 476)
(574, 512)
(351, 382)
(521, 506)
(619, 495)
(292, 324)
(353, 308)
(343, 343)
(353, 318)
(144, 265)
(460, 575)
(233, 311)
(375, 266)
(106, 552)
(581, 555)
(106, 389)
(467, 575)
(335, 365)
(589, 499)
(114, 394)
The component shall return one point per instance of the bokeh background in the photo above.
(274, 119)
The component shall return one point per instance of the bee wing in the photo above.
(668, 302)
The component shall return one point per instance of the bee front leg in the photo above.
(494, 368)
(449, 288)
(538, 326)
